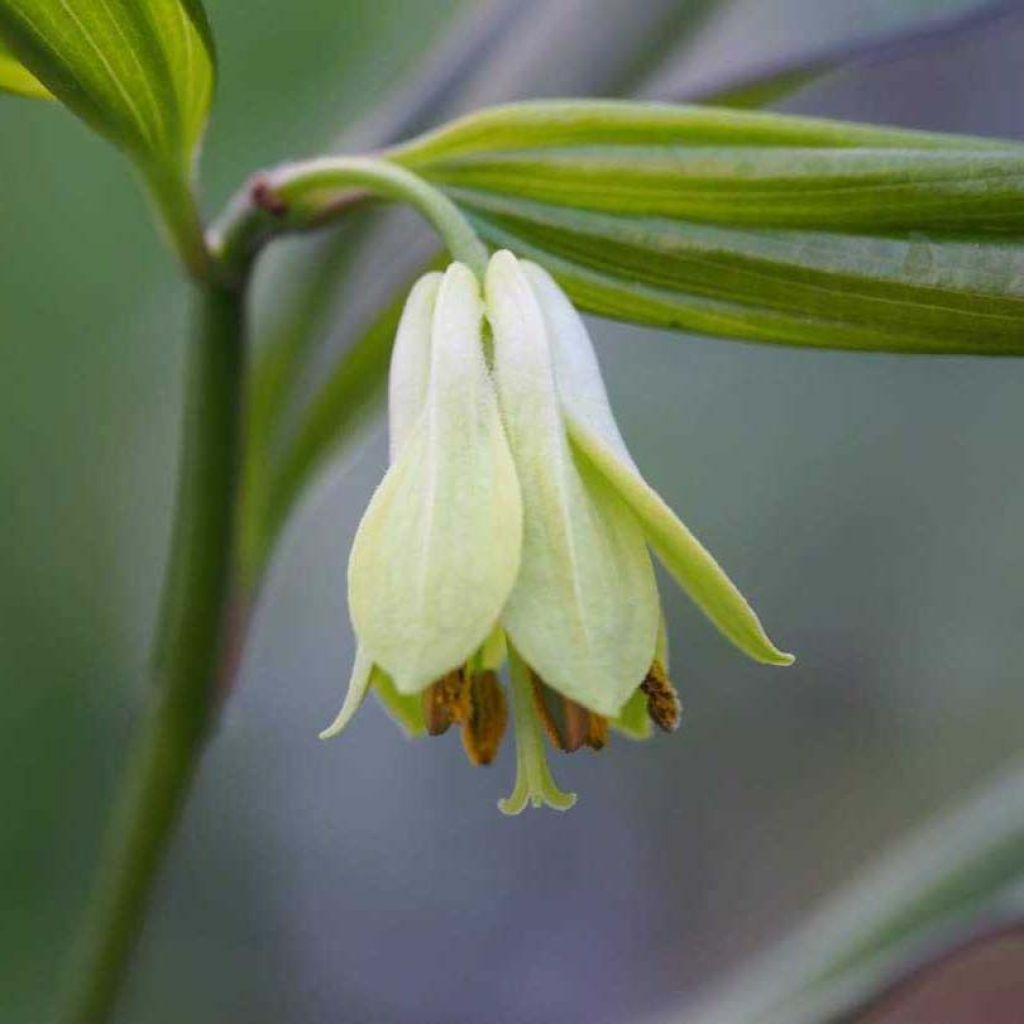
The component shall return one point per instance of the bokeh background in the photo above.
(870, 507)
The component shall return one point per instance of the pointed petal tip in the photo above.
(359, 684)
(768, 654)
(459, 273)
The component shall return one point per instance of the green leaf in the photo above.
(769, 228)
(139, 72)
(15, 78)
(958, 878)
(662, 49)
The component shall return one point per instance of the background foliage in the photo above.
(870, 503)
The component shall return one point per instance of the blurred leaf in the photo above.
(757, 226)
(749, 53)
(960, 878)
(981, 982)
(15, 78)
(138, 71)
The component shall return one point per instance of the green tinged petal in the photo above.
(584, 610)
(633, 720)
(682, 554)
(436, 554)
(593, 430)
(358, 685)
(406, 709)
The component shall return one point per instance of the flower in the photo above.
(513, 524)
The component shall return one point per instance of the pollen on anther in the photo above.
(662, 700)
(446, 702)
(484, 727)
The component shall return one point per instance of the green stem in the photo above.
(193, 644)
(312, 193)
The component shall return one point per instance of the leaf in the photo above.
(959, 877)
(509, 49)
(770, 228)
(16, 79)
(139, 72)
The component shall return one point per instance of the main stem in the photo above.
(192, 647)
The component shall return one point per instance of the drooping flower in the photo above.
(513, 522)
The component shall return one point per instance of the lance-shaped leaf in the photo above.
(772, 228)
(584, 611)
(437, 551)
(139, 72)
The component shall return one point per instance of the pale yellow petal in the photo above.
(584, 610)
(358, 685)
(410, 362)
(681, 553)
(594, 431)
(437, 551)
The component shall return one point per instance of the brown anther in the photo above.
(445, 702)
(597, 734)
(662, 700)
(547, 704)
(569, 725)
(484, 727)
(262, 195)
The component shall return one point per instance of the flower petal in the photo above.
(633, 720)
(682, 554)
(593, 430)
(578, 377)
(584, 610)
(438, 549)
(410, 362)
(358, 685)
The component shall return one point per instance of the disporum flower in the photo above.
(514, 525)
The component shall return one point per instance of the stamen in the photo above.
(547, 704)
(446, 702)
(597, 733)
(484, 727)
(662, 700)
(569, 725)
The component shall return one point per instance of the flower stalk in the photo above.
(310, 194)
(189, 658)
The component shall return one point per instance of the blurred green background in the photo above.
(870, 507)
